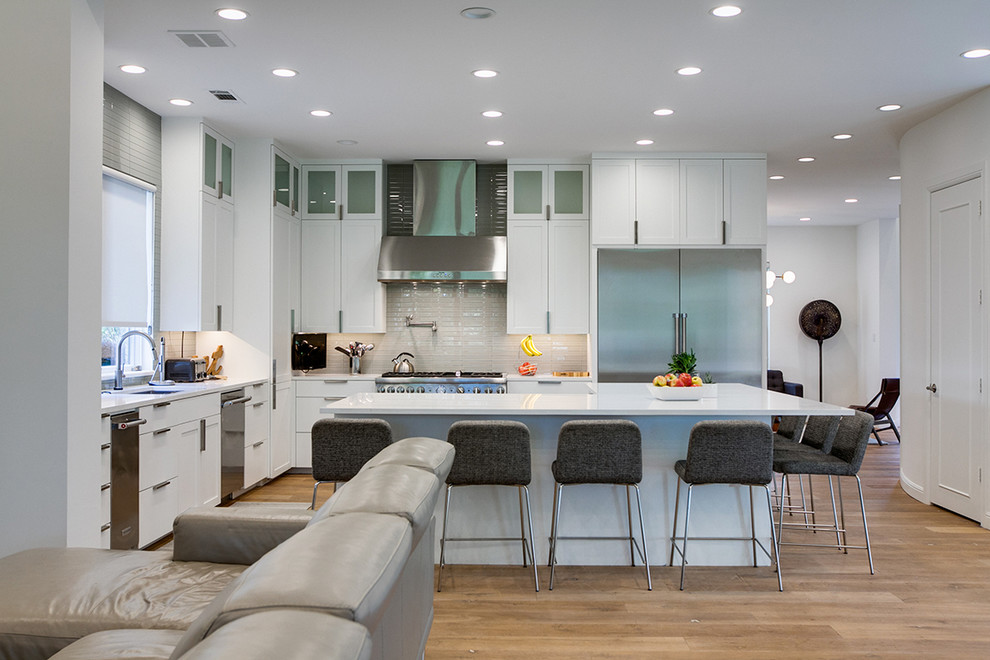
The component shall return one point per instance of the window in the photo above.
(128, 269)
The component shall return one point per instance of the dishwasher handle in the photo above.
(234, 402)
(120, 426)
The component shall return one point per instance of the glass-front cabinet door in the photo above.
(320, 192)
(548, 192)
(527, 192)
(362, 192)
(568, 192)
(218, 165)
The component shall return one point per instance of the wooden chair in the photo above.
(890, 390)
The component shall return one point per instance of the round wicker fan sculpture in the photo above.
(820, 320)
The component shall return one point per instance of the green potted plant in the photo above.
(687, 363)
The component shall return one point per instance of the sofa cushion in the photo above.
(295, 634)
(233, 535)
(122, 645)
(345, 566)
(425, 453)
(399, 490)
(54, 596)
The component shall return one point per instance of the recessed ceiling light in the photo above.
(644, 143)
(285, 73)
(726, 11)
(805, 219)
(976, 53)
(842, 136)
(851, 200)
(663, 112)
(776, 177)
(347, 143)
(689, 70)
(491, 113)
(180, 102)
(890, 107)
(806, 159)
(320, 113)
(896, 177)
(495, 143)
(477, 12)
(132, 68)
(232, 14)
(484, 73)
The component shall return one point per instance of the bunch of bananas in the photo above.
(527, 346)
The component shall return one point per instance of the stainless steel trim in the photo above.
(443, 259)
(234, 402)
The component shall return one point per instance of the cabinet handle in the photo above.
(161, 431)
(255, 405)
(161, 485)
(340, 320)
(104, 447)
(105, 527)
(548, 321)
(635, 232)
(334, 398)
(202, 435)
(548, 213)
(219, 316)
(163, 404)
(105, 487)
(329, 382)
(219, 189)
(257, 444)
(292, 320)
(724, 231)
(274, 197)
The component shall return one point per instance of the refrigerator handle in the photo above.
(684, 341)
(677, 332)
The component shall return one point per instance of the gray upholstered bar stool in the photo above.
(342, 446)
(491, 453)
(600, 452)
(727, 452)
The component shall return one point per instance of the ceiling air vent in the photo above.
(203, 38)
(225, 96)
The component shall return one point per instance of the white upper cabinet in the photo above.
(745, 199)
(285, 182)
(218, 165)
(197, 239)
(684, 200)
(350, 191)
(548, 192)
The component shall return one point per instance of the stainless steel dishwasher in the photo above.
(124, 448)
(232, 442)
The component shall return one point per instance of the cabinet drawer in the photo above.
(255, 422)
(255, 463)
(105, 536)
(258, 392)
(105, 504)
(550, 387)
(308, 411)
(105, 463)
(158, 456)
(170, 413)
(304, 450)
(332, 387)
(158, 507)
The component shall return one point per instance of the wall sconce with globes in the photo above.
(788, 276)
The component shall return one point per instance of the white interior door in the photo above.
(957, 348)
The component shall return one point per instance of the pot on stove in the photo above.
(402, 365)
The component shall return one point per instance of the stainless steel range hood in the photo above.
(443, 246)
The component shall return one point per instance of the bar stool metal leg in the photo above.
(443, 537)
(687, 516)
(557, 496)
(673, 534)
(642, 535)
(532, 550)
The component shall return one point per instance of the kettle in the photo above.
(402, 366)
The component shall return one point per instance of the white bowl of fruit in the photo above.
(676, 387)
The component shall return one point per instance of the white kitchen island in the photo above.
(593, 509)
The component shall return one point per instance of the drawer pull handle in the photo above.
(105, 447)
(161, 431)
(331, 382)
(104, 486)
(105, 528)
(260, 403)
(258, 444)
(163, 404)
(333, 398)
(161, 485)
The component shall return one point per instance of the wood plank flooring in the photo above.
(930, 597)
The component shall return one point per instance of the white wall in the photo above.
(952, 144)
(51, 130)
(824, 259)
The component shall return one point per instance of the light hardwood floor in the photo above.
(930, 597)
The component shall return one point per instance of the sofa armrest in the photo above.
(233, 535)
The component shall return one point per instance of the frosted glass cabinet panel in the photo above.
(548, 192)
(348, 191)
(217, 164)
(321, 186)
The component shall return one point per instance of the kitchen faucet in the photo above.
(118, 378)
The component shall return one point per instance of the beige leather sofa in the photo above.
(354, 580)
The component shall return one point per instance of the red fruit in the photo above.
(684, 380)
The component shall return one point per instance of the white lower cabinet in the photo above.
(313, 394)
(105, 482)
(157, 508)
(199, 462)
(256, 428)
(283, 433)
(550, 386)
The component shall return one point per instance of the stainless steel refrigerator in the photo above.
(654, 303)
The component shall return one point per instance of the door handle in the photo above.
(932, 388)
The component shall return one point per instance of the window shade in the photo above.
(128, 212)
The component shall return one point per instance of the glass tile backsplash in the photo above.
(470, 334)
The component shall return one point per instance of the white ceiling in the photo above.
(576, 77)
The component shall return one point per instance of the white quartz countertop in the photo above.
(626, 399)
(114, 401)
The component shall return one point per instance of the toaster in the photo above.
(185, 370)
